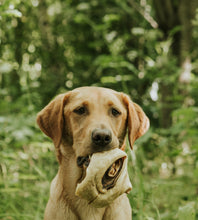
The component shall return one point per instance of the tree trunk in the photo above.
(168, 16)
(52, 73)
(14, 86)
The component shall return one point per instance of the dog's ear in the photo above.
(51, 120)
(138, 122)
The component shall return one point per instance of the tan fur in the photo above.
(71, 134)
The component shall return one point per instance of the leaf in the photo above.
(187, 212)
(14, 13)
(5, 67)
(137, 31)
(83, 6)
(149, 218)
(111, 17)
(81, 18)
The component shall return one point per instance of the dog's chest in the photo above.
(87, 212)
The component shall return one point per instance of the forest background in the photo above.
(146, 48)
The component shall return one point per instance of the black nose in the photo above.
(101, 137)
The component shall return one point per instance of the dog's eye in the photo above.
(80, 110)
(115, 112)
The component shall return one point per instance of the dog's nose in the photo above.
(101, 137)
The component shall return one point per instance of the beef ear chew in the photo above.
(106, 178)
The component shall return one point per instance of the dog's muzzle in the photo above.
(105, 177)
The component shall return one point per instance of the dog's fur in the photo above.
(69, 120)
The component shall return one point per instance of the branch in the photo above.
(144, 13)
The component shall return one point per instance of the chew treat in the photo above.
(105, 178)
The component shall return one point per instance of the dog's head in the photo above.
(91, 119)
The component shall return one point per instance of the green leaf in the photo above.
(187, 212)
(5, 67)
(137, 31)
(111, 17)
(14, 13)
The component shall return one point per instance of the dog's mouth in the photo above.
(111, 175)
(83, 162)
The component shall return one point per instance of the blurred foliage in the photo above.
(48, 47)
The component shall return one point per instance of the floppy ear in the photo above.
(138, 123)
(51, 120)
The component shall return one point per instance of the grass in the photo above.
(156, 196)
(24, 186)
(28, 165)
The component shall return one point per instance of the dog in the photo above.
(81, 122)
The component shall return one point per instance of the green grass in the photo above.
(25, 179)
(156, 196)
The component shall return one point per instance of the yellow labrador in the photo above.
(81, 122)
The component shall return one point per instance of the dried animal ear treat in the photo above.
(105, 178)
